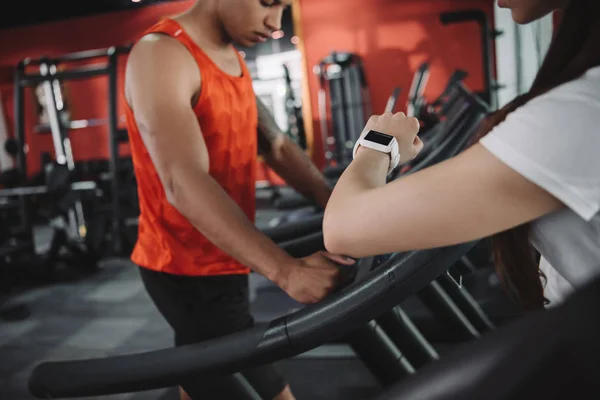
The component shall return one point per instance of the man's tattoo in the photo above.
(293, 165)
(267, 129)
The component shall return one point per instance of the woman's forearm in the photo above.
(367, 171)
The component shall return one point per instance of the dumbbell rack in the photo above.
(48, 76)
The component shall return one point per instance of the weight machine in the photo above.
(343, 87)
(55, 197)
(294, 111)
(49, 76)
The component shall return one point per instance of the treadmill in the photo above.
(550, 354)
(375, 288)
(465, 113)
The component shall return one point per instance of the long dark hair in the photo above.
(575, 48)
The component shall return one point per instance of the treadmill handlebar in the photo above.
(400, 277)
(120, 374)
(304, 246)
(294, 230)
(397, 279)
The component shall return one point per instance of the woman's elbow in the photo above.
(335, 236)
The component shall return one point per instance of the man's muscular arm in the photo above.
(161, 101)
(288, 160)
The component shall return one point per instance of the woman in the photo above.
(532, 181)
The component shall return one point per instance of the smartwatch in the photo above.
(380, 142)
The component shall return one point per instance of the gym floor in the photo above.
(109, 313)
(105, 314)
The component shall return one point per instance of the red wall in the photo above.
(393, 37)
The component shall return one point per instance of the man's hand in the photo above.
(312, 278)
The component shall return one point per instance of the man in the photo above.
(193, 121)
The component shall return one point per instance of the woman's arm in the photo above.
(468, 197)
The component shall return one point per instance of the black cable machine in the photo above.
(343, 87)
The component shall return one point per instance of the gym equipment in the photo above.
(467, 304)
(392, 100)
(54, 198)
(294, 111)
(62, 147)
(332, 173)
(59, 197)
(437, 300)
(379, 353)
(287, 231)
(445, 298)
(416, 100)
(304, 246)
(405, 335)
(353, 306)
(489, 94)
(429, 113)
(459, 117)
(403, 365)
(33, 190)
(49, 75)
(550, 354)
(343, 86)
(434, 128)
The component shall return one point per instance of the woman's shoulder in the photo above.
(582, 91)
(573, 107)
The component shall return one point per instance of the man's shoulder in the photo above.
(156, 43)
(159, 50)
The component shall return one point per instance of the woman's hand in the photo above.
(403, 128)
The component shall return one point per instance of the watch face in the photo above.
(380, 138)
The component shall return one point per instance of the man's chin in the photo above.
(247, 43)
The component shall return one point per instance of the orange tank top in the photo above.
(227, 114)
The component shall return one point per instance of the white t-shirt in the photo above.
(554, 141)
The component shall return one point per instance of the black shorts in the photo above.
(206, 307)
